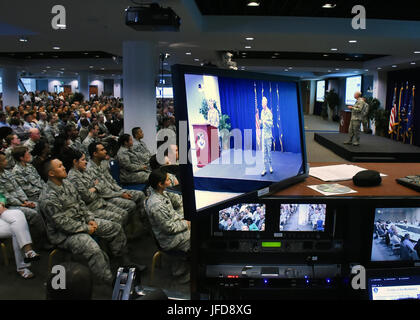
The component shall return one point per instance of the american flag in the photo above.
(392, 119)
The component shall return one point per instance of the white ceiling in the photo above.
(98, 25)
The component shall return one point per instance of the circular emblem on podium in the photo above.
(201, 142)
(342, 122)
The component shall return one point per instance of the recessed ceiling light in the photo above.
(416, 52)
(86, 53)
(329, 6)
(334, 49)
(96, 56)
(48, 67)
(249, 39)
(23, 39)
(337, 69)
(56, 48)
(247, 47)
(277, 54)
(352, 41)
(356, 56)
(253, 4)
(91, 67)
(188, 53)
(290, 68)
(394, 66)
(379, 68)
(326, 55)
(196, 60)
(286, 69)
(347, 58)
(412, 63)
(273, 57)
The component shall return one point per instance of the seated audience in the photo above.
(132, 169)
(12, 141)
(70, 225)
(40, 153)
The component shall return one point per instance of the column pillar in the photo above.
(10, 87)
(84, 84)
(380, 79)
(140, 67)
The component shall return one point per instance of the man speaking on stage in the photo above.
(356, 119)
(267, 135)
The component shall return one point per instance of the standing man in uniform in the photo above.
(356, 119)
(267, 134)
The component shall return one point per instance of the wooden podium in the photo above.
(345, 116)
(206, 139)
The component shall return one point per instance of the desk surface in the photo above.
(388, 188)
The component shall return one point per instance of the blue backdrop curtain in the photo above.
(237, 98)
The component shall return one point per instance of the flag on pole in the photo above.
(398, 122)
(410, 115)
(404, 107)
(279, 126)
(393, 116)
(257, 119)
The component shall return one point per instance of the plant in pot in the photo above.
(224, 121)
(381, 117)
(324, 110)
(332, 99)
(374, 105)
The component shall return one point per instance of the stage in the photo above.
(240, 171)
(371, 149)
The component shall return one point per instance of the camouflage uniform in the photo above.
(15, 198)
(111, 192)
(94, 202)
(10, 160)
(140, 148)
(67, 220)
(355, 121)
(29, 144)
(29, 180)
(166, 217)
(50, 132)
(77, 145)
(267, 135)
(131, 167)
(88, 141)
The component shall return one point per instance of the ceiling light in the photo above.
(290, 68)
(325, 55)
(85, 53)
(96, 56)
(337, 69)
(56, 48)
(334, 49)
(379, 68)
(253, 4)
(416, 52)
(412, 63)
(277, 54)
(196, 60)
(247, 47)
(352, 41)
(188, 53)
(62, 69)
(48, 67)
(329, 70)
(102, 68)
(329, 6)
(394, 66)
(366, 70)
(23, 39)
(273, 57)
(347, 58)
(249, 39)
(90, 67)
(286, 70)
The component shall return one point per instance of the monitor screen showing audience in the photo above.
(242, 217)
(302, 217)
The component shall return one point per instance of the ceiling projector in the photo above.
(152, 17)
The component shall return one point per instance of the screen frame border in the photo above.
(345, 86)
(180, 103)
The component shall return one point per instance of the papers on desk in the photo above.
(332, 189)
(339, 172)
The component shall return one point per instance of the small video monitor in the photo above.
(396, 232)
(243, 217)
(302, 217)
(397, 287)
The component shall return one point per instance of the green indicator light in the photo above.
(271, 244)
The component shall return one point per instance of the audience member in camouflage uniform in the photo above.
(17, 199)
(86, 187)
(26, 175)
(92, 136)
(166, 217)
(140, 148)
(70, 224)
(98, 168)
(34, 136)
(132, 169)
(12, 141)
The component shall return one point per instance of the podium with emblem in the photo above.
(206, 139)
(345, 116)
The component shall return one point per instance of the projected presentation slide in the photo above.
(396, 234)
(244, 134)
(242, 217)
(353, 84)
(320, 91)
(302, 217)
